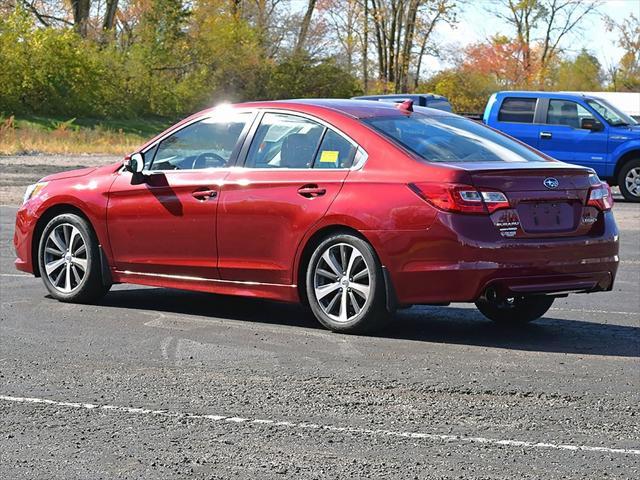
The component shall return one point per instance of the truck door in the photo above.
(516, 118)
(562, 138)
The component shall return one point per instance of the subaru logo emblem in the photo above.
(551, 182)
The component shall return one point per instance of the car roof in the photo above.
(349, 107)
(428, 96)
(539, 94)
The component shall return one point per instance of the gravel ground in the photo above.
(16, 172)
(184, 385)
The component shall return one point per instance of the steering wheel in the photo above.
(207, 160)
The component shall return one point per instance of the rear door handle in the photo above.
(311, 191)
(545, 135)
(205, 194)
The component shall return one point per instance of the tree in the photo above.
(81, 10)
(626, 75)
(395, 25)
(499, 58)
(582, 73)
(542, 22)
(304, 27)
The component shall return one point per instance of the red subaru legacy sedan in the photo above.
(355, 208)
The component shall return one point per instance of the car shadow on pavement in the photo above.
(452, 325)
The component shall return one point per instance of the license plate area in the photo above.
(544, 217)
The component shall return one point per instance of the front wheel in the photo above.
(629, 180)
(515, 310)
(345, 285)
(69, 260)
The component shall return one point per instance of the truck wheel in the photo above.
(629, 180)
(515, 310)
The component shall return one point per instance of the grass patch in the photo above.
(35, 134)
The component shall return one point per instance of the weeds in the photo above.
(65, 137)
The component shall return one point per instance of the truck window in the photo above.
(566, 112)
(518, 110)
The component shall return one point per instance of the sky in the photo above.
(475, 24)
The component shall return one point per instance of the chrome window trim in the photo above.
(359, 160)
(202, 279)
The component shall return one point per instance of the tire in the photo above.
(629, 180)
(342, 303)
(69, 260)
(516, 310)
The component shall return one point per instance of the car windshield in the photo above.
(611, 114)
(451, 139)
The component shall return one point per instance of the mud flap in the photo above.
(392, 299)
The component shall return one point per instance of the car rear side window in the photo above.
(518, 110)
(451, 139)
(291, 141)
(284, 141)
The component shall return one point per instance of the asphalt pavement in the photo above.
(154, 383)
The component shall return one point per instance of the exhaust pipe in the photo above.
(491, 294)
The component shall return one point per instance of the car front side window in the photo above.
(207, 143)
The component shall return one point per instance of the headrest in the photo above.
(297, 151)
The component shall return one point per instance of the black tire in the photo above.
(90, 288)
(622, 180)
(517, 310)
(373, 314)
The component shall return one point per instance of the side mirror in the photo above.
(591, 124)
(135, 163)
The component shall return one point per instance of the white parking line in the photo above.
(15, 275)
(583, 310)
(326, 428)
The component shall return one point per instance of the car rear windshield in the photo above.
(451, 139)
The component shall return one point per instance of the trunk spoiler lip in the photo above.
(477, 167)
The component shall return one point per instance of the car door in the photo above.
(562, 138)
(294, 168)
(516, 118)
(163, 221)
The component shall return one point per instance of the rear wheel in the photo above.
(345, 285)
(69, 260)
(629, 180)
(515, 310)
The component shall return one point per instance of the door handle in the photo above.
(545, 135)
(204, 194)
(311, 191)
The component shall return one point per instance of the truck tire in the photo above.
(629, 180)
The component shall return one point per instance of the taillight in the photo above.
(600, 197)
(460, 198)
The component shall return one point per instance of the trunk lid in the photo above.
(547, 200)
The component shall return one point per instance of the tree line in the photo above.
(126, 58)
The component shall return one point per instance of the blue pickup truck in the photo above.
(574, 128)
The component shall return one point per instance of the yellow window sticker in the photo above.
(329, 156)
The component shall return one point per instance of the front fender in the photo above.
(87, 194)
(622, 151)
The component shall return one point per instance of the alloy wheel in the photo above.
(65, 257)
(632, 181)
(342, 281)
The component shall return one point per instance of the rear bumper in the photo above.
(459, 257)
